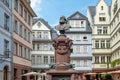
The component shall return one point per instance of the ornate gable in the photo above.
(77, 15)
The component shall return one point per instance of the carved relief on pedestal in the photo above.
(62, 46)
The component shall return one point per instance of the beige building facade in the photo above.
(99, 16)
(115, 33)
(22, 41)
(105, 23)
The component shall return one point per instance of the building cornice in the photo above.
(28, 8)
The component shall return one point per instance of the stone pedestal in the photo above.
(62, 69)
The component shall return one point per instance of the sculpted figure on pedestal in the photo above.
(63, 25)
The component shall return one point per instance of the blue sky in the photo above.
(51, 10)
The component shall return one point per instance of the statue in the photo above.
(62, 44)
(63, 25)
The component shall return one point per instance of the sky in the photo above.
(51, 10)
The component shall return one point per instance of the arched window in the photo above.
(5, 71)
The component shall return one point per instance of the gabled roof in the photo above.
(35, 20)
(101, 0)
(92, 10)
(77, 15)
(52, 31)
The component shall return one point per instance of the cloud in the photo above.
(35, 4)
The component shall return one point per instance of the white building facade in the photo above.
(5, 39)
(81, 34)
(43, 52)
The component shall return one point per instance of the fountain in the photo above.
(62, 69)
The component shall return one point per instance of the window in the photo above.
(25, 33)
(6, 45)
(102, 19)
(85, 38)
(45, 59)
(6, 2)
(16, 26)
(15, 73)
(25, 53)
(99, 30)
(102, 44)
(51, 59)
(25, 15)
(6, 22)
(33, 46)
(33, 34)
(104, 30)
(96, 59)
(29, 55)
(21, 10)
(78, 48)
(101, 7)
(85, 63)
(78, 63)
(20, 50)
(29, 39)
(39, 59)
(39, 35)
(16, 5)
(37, 46)
(45, 47)
(20, 31)
(85, 49)
(15, 48)
(72, 23)
(102, 59)
(108, 58)
(33, 59)
(45, 35)
(29, 20)
(82, 23)
(77, 24)
(96, 44)
(107, 44)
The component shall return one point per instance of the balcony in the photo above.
(83, 68)
(6, 56)
(45, 66)
(81, 55)
(101, 51)
(101, 65)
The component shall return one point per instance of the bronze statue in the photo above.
(63, 25)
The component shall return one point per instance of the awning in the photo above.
(114, 72)
(31, 73)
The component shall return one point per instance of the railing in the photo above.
(5, 56)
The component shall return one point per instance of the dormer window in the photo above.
(82, 23)
(39, 24)
(101, 7)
